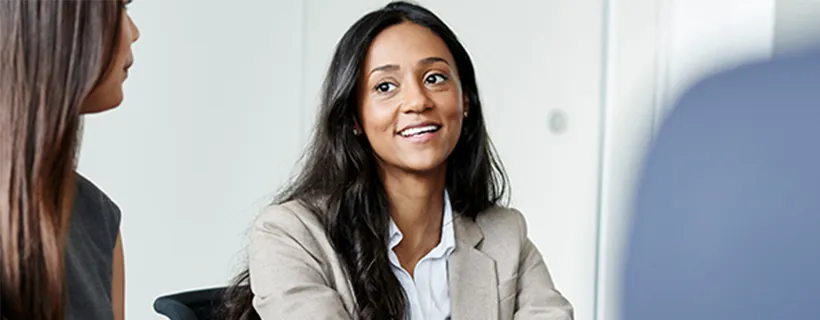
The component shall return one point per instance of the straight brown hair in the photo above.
(52, 54)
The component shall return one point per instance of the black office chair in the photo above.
(192, 305)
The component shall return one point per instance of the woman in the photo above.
(396, 213)
(59, 235)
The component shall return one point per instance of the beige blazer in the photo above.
(495, 271)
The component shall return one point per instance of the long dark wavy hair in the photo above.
(52, 54)
(340, 181)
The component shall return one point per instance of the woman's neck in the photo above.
(416, 203)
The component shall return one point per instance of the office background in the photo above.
(222, 97)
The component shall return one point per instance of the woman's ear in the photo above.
(357, 130)
(466, 102)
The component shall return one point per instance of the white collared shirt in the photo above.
(428, 294)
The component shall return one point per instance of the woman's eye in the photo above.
(435, 78)
(385, 87)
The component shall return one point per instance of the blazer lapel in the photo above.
(473, 281)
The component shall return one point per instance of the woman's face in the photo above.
(411, 104)
(108, 93)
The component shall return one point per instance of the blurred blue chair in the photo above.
(727, 219)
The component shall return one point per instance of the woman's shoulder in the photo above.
(291, 226)
(501, 216)
(89, 192)
(502, 222)
(92, 205)
(291, 217)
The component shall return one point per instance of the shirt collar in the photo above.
(448, 239)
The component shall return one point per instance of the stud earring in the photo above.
(465, 114)
(356, 132)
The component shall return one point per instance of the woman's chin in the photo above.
(101, 108)
(101, 101)
(424, 166)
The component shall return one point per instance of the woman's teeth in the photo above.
(418, 130)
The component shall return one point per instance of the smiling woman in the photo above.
(412, 104)
(59, 235)
(397, 213)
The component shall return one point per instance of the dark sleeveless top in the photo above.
(92, 235)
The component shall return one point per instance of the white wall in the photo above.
(702, 37)
(658, 48)
(797, 26)
(222, 99)
(210, 127)
(632, 57)
(205, 135)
